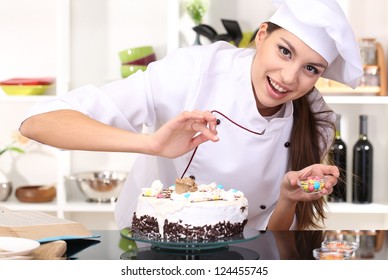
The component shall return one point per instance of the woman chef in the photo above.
(250, 119)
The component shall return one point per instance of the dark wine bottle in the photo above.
(363, 166)
(337, 156)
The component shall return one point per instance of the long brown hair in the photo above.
(308, 146)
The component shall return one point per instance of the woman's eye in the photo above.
(284, 51)
(312, 69)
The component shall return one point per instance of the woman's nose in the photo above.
(289, 74)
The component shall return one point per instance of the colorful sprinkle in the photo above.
(312, 184)
(186, 195)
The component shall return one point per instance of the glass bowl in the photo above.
(331, 254)
(312, 184)
(340, 245)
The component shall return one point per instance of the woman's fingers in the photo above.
(329, 172)
(319, 170)
(201, 122)
(184, 133)
(204, 130)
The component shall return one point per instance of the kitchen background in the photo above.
(77, 42)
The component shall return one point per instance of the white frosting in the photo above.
(154, 190)
(208, 192)
(209, 205)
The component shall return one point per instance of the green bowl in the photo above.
(132, 54)
(25, 90)
(127, 70)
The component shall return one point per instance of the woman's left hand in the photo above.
(292, 191)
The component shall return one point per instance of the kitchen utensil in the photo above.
(100, 186)
(331, 254)
(27, 81)
(312, 184)
(25, 89)
(36, 193)
(16, 246)
(210, 33)
(127, 70)
(143, 61)
(5, 190)
(132, 54)
(234, 30)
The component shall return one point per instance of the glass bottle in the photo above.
(337, 156)
(362, 166)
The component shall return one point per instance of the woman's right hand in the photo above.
(72, 130)
(183, 133)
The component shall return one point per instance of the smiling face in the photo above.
(284, 69)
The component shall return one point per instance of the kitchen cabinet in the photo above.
(77, 42)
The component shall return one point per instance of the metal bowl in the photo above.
(100, 186)
(5, 191)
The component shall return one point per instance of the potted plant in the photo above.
(196, 9)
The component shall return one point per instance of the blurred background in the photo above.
(55, 46)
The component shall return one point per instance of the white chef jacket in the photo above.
(252, 153)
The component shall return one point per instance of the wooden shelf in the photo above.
(342, 90)
(352, 99)
(327, 87)
(346, 207)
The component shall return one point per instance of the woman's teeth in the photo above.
(277, 87)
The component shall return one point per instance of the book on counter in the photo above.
(40, 226)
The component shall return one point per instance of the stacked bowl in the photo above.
(134, 59)
(26, 86)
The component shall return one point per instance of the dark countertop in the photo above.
(265, 245)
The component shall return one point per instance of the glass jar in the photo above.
(371, 76)
(368, 51)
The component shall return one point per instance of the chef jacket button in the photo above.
(218, 121)
(287, 144)
(192, 177)
(262, 207)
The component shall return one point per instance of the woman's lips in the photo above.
(276, 86)
(275, 90)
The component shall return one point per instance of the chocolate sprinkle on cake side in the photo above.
(148, 226)
(179, 232)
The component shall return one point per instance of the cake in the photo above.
(187, 211)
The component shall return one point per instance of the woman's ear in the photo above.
(261, 33)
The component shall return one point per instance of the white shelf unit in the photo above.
(80, 46)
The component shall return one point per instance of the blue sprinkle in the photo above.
(220, 186)
(234, 190)
(186, 195)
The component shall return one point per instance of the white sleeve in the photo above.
(124, 103)
(169, 84)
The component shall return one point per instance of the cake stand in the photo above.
(183, 249)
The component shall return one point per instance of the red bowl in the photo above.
(142, 61)
(28, 81)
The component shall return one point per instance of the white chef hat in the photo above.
(323, 26)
